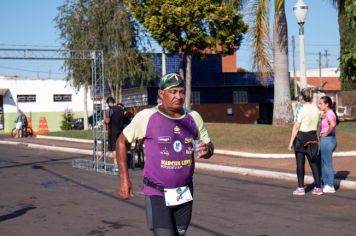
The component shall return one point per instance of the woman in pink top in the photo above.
(328, 124)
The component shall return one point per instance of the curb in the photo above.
(344, 184)
(65, 139)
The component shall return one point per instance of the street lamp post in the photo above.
(300, 11)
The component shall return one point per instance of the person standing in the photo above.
(19, 123)
(168, 131)
(328, 123)
(304, 133)
(114, 120)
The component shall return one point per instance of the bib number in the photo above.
(177, 196)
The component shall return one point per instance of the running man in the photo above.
(168, 131)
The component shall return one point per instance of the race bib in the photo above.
(177, 196)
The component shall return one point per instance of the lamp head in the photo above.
(300, 11)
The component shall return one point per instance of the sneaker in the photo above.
(317, 191)
(299, 191)
(328, 189)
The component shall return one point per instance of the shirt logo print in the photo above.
(189, 151)
(188, 140)
(176, 130)
(177, 146)
(164, 152)
(164, 139)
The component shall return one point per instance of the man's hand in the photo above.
(125, 189)
(207, 150)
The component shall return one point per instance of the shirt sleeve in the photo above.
(136, 130)
(331, 115)
(300, 115)
(202, 131)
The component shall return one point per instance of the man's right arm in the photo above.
(125, 185)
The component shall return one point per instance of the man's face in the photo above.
(173, 98)
(110, 104)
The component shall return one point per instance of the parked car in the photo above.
(78, 123)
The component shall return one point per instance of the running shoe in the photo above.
(317, 191)
(328, 189)
(299, 191)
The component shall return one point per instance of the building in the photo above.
(219, 92)
(38, 98)
(326, 80)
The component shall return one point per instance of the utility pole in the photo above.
(326, 55)
(294, 73)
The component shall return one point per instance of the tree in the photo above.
(259, 36)
(190, 27)
(347, 29)
(103, 25)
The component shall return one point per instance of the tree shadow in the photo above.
(16, 213)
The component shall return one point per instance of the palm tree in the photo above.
(347, 37)
(259, 36)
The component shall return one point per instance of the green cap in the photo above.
(171, 80)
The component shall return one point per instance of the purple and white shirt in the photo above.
(169, 159)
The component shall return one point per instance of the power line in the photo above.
(36, 71)
(30, 45)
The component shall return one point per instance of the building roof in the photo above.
(327, 84)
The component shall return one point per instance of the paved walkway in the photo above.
(278, 168)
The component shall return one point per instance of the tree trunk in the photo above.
(117, 92)
(85, 101)
(181, 65)
(282, 111)
(188, 82)
(120, 91)
(111, 88)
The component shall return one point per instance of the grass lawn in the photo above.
(250, 138)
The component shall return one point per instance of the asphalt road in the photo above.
(41, 194)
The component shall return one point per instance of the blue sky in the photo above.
(29, 24)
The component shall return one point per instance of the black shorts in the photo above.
(159, 216)
(112, 137)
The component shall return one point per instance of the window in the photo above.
(240, 97)
(62, 97)
(195, 97)
(26, 98)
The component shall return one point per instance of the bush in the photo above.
(67, 120)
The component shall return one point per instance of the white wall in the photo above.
(44, 89)
(325, 72)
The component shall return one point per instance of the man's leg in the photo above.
(182, 216)
(159, 217)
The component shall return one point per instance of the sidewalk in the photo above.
(277, 168)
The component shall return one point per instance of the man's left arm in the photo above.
(206, 147)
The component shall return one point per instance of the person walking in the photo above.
(169, 132)
(304, 141)
(328, 123)
(114, 120)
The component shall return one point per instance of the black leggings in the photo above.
(314, 166)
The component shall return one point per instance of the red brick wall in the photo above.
(229, 63)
